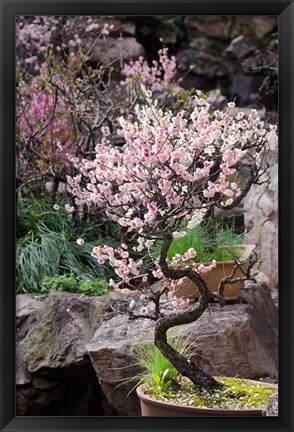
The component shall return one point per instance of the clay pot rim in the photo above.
(206, 410)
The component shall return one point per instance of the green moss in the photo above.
(234, 394)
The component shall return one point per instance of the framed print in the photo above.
(146, 215)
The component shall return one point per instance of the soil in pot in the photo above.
(238, 397)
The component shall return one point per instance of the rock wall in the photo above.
(236, 54)
(261, 217)
(212, 52)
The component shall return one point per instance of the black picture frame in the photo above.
(9, 9)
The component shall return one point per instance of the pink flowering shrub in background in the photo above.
(172, 167)
(57, 112)
(63, 104)
(42, 118)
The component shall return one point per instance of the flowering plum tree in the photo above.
(171, 168)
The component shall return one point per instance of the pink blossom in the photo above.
(69, 208)
(228, 202)
(183, 303)
(144, 310)
(180, 234)
(132, 304)
(190, 254)
(158, 273)
(201, 268)
(176, 258)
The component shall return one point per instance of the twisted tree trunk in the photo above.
(187, 368)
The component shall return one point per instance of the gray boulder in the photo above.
(201, 63)
(126, 48)
(54, 375)
(241, 46)
(67, 322)
(214, 26)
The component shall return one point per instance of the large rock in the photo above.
(67, 322)
(258, 26)
(241, 46)
(238, 339)
(112, 49)
(229, 27)
(245, 87)
(54, 375)
(26, 304)
(214, 26)
(28, 309)
(201, 63)
(261, 216)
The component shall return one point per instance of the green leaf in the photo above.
(156, 378)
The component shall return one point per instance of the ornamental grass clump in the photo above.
(173, 167)
(158, 373)
(211, 240)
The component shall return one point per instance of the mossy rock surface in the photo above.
(64, 326)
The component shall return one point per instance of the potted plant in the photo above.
(162, 392)
(173, 167)
(213, 242)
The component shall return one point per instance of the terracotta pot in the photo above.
(155, 408)
(187, 289)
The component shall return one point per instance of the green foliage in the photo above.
(46, 245)
(274, 374)
(183, 100)
(33, 210)
(72, 283)
(160, 28)
(211, 241)
(49, 253)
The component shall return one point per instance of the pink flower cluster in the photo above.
(180, 234)
(124, 266)
(180, 303)
(189, 254)
(35, 33)
(202, 268)
(157, 76)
